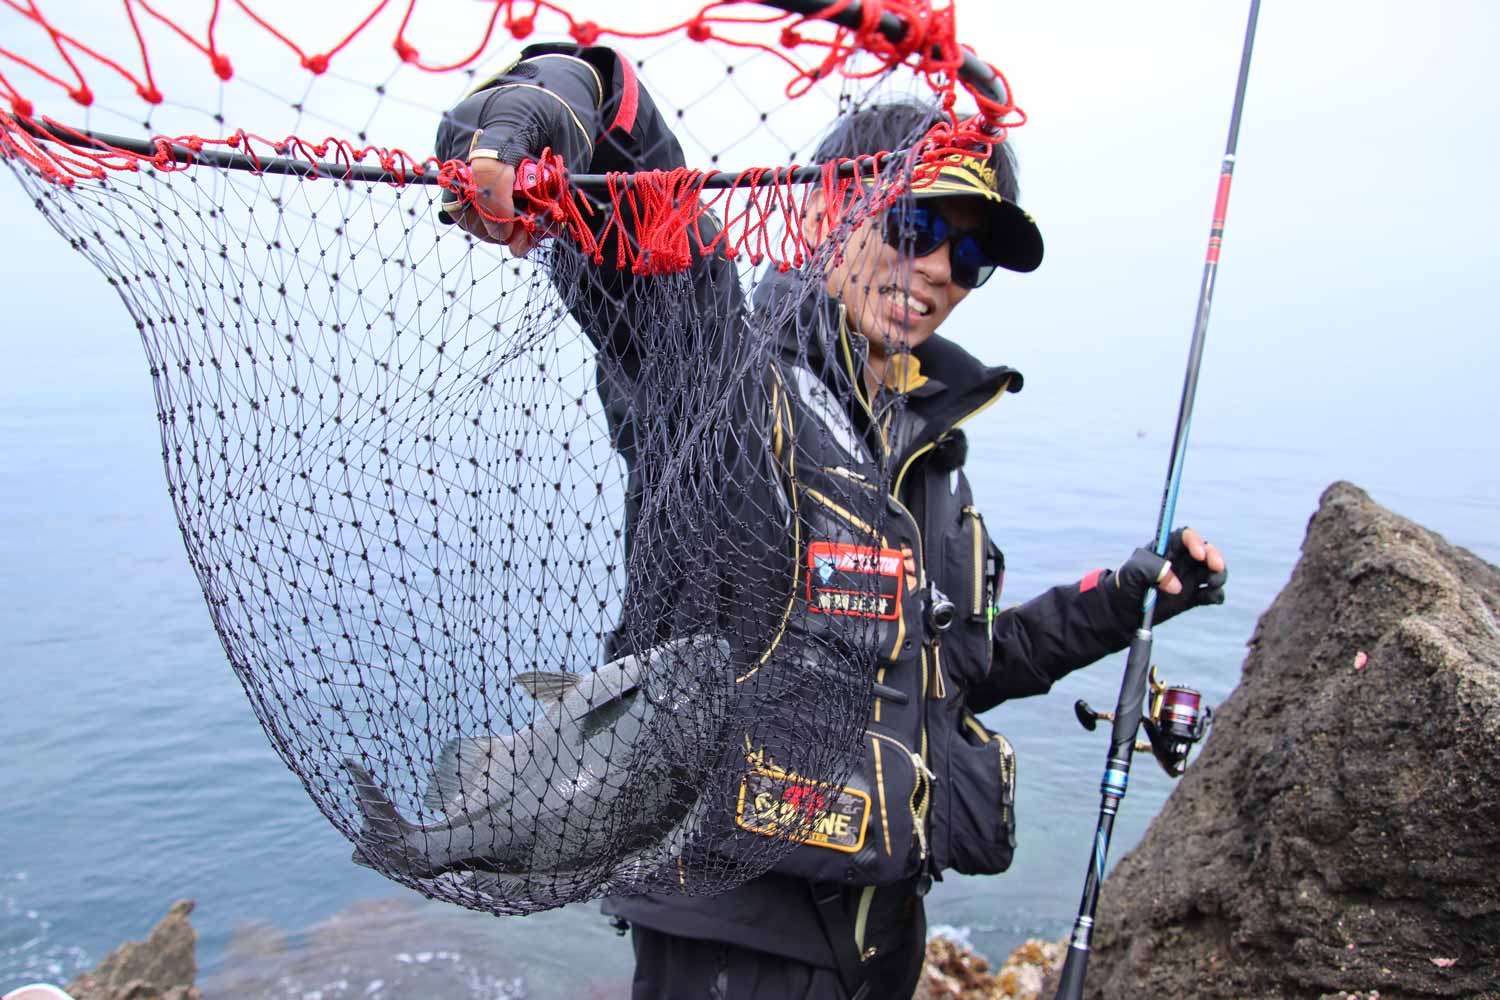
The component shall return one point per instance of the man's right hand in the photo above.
(494, 191)
(549, 100)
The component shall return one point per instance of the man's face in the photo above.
(896, 303)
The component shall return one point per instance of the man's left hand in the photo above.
(1193, 573)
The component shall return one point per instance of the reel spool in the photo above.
(1177, 720)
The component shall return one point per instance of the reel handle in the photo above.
(1087, 717)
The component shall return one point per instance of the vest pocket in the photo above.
(971, 575)
(979, 837)
(974, 559)
(985, 566)
(854, 585)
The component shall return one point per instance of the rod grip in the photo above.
(1132, 703)
(1070, 986)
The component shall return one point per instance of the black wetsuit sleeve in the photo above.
(1048, 637)
(588, 106)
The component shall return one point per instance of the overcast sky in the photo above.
(1353, 302)
(1355, 286)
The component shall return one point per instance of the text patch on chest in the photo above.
(854, 580)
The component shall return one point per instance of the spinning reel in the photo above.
(1176, 720)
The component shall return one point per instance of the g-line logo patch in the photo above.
(854, 580)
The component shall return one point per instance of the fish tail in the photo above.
(385, 839)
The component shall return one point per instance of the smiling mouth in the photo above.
(905, 302)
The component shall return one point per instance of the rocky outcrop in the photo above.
(954, 971)
(162, 967)
(1341, 830)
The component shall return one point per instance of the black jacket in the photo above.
(952, 792)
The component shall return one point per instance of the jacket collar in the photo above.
(800, 311)
(957, 372)
(951, 383)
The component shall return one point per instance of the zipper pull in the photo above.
(919, 816)
(936, 691)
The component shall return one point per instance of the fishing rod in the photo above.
(1127, 718)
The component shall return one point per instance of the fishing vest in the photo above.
(931, 788)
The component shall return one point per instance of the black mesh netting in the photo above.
(547, 579)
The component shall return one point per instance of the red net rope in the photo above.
(759, 206)
(929, 45)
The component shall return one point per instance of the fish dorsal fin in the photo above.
(548, 686)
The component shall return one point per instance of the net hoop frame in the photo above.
(867, 18)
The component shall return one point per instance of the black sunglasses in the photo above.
(918, 230)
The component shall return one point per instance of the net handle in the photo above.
(51, 131)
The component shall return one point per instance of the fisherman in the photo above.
(804, 930)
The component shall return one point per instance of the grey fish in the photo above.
(609, 768)
(607, 876)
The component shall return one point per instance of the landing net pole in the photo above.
(1129, 709)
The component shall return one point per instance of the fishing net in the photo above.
(548, 577)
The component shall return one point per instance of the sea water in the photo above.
(134, 773)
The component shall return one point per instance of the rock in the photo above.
(954, 971)
(1339, 834)
(162, 967)
(254, 939)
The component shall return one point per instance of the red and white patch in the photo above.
(854, 580)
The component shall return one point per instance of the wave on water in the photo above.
(958, 935)
(458, 980)
(386, 949)
(28, 952)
